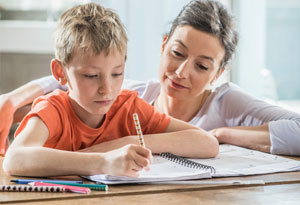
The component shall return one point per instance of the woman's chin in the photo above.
(177, 94)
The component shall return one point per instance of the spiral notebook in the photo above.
(238, 161)
(164, 167)
(231, 161)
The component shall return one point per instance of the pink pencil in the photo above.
(81, 190)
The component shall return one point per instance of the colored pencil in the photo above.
(138, 129)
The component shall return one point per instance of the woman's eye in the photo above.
(117, 74)
(177, 53)
(202, 67)
(90, 76)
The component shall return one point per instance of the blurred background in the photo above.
(266, 64)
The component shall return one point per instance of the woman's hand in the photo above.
(257, 138)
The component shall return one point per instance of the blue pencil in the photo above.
(26, 181)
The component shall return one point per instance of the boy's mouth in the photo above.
(103, 102)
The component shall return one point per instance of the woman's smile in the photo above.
(176, 85)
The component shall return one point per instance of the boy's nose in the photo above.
(104, 86)
(183, 70)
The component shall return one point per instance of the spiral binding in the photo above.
(186, 162)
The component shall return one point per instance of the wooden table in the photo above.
(281, 188)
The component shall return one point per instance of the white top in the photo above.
(227, 106)
(49, 84)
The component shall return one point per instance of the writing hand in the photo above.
(128, 161)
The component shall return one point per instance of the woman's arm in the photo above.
(27, 157)
(9, 104)
(253, 123)
(16, 104)
(257, 138)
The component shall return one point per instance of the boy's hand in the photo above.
(128, 161)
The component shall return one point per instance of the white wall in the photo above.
(146, 22)
(250, 54)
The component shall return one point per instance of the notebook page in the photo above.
(161, 170)
(238, 161)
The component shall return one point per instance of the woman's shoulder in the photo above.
(225, 87)
(147, 90)
(139, 85)
(229, 95)
(229, 89)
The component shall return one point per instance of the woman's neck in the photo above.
(180, 109)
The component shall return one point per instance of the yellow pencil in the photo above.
(138, 129)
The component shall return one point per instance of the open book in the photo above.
(231, 161)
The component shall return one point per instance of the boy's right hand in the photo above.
(128, 161)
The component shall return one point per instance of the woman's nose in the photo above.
(183, 70)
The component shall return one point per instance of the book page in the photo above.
(238, 161)
(231, 161)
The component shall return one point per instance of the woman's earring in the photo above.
(213, 81)
(61, 81)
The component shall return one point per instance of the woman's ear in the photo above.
(218, 74)
(58, 72)
(164, 43)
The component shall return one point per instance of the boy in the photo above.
(94, 117)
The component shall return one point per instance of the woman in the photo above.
(193, 55)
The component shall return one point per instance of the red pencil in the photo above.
(81, 190)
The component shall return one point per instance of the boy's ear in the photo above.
(58, 72)
(164, 42)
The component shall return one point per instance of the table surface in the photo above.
(279, 187)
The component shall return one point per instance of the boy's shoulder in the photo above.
(129, 99)
(54, 97)
(126, 92)
(126, 95)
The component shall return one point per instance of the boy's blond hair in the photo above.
(89, 27)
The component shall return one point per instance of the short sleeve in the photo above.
(48, 114)
(152, 121)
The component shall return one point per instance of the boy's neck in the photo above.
(93, 121)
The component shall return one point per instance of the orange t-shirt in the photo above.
(68, 132)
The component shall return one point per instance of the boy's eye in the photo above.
(202, 67)
(117, 74)
(90, 76)
(176, 53)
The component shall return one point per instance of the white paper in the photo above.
(161, 170)
(237, 161)
(231, 161)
